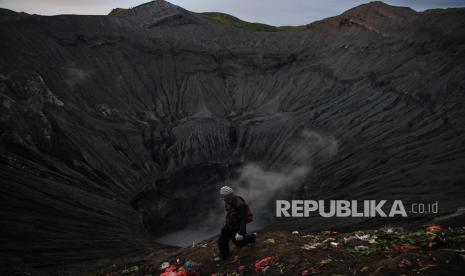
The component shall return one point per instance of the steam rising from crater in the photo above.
(260, 184)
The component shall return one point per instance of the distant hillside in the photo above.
(225, 19)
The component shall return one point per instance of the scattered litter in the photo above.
(308, 247)
(348, 239)
(263, 264)
(361, 248)
(372, 241)
(171, 273)
(270, 241)
(364, 269)
(389, 230)
(433, 228)
(171, 268)
(188, 269)
(311, 246)
(328, 240)
(325, 262)
(191, 266)
(132, 269)
(164, 265)
(376, 243)
(363, 238)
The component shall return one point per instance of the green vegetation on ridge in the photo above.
(224, 19)
(231, 21)
(117, 11)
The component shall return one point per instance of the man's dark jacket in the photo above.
(236, 214)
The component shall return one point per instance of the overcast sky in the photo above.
(274, 12)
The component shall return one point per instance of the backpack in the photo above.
(249, 211)
(249, 215)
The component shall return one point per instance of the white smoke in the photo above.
(260, 184)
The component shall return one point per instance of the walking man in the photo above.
(238, 215)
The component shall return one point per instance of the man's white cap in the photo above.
(226, 191)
